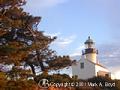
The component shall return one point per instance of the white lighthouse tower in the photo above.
(90, 52)
(88, 65)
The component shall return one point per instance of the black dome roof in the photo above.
(89, 40)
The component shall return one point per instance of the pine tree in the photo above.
(21, 43)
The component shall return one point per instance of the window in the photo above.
(81, 65)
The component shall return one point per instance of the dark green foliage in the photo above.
(22, 44)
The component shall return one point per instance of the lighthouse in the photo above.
(88, 66)
(90, 52)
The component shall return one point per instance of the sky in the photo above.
(72, 21)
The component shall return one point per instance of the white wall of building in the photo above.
(87, 72)
(99, 68)
(90, 69)
(76, 69)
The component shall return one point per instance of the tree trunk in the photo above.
(40, 61)
(33, 69)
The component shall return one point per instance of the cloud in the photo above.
(115, 69)
(53, 34)
(115, 72)
(77, 51)
(62, 42)
(109, 55)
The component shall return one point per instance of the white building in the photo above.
(88, 66)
